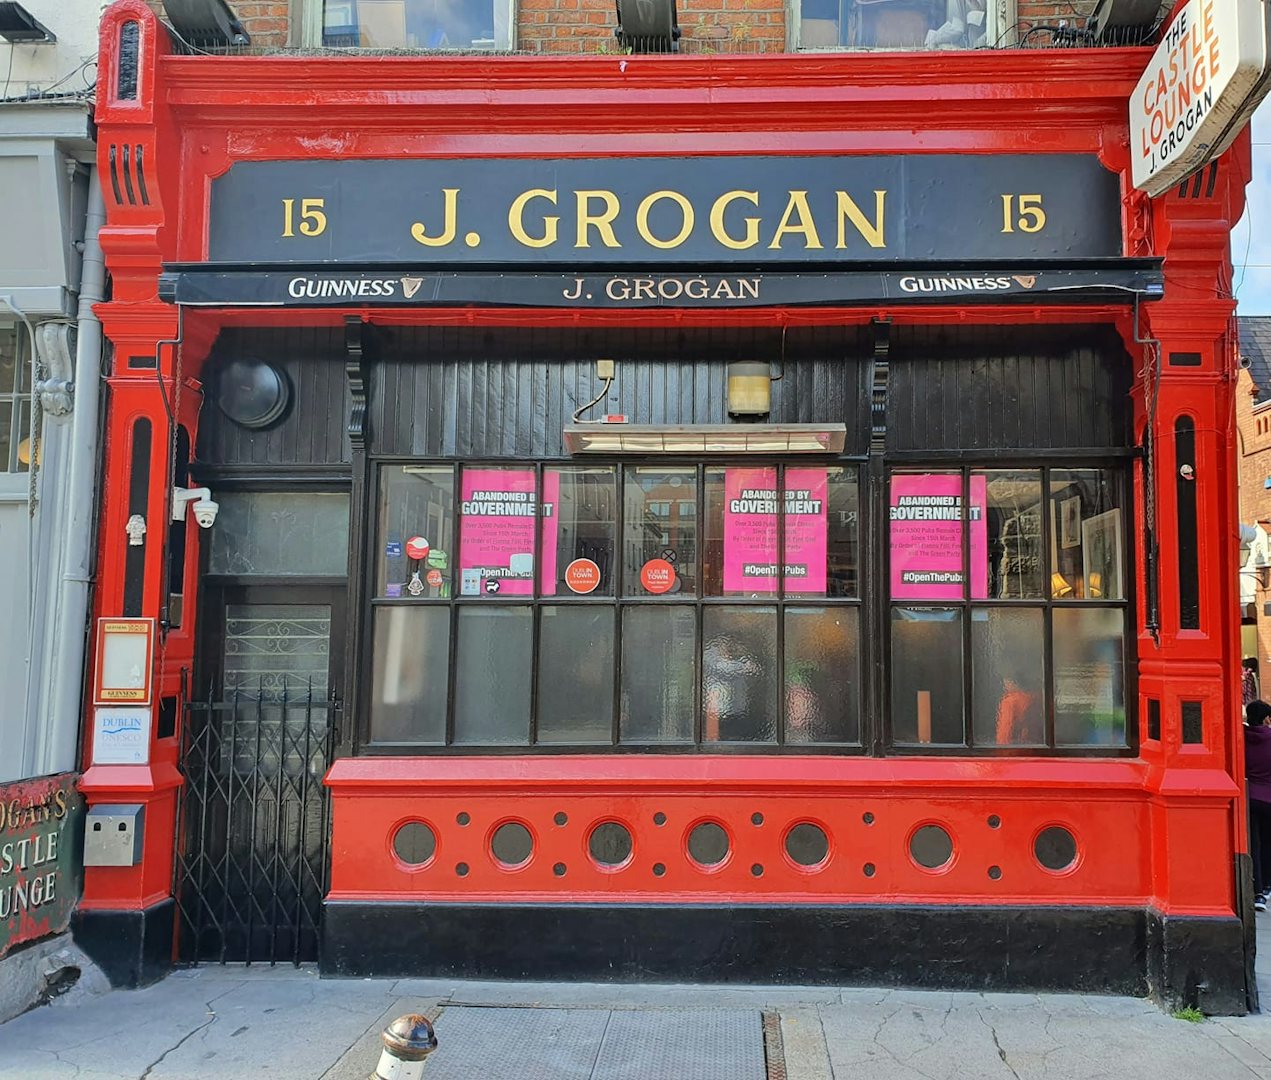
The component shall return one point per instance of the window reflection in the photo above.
(660, 528)
(739, 674)
(893, 24)
(417, 24)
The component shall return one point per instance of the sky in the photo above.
(1251, 239)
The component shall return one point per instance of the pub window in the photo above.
(903, 24)
(15, 401)
(676, 605)
(1008, 608)
(418, 24)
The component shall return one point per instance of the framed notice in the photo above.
(125, 660)
(121, 735)
(1101, 556)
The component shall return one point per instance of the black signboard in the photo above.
(1095, 281)
(659, 212)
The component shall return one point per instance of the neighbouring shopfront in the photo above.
(783, 549)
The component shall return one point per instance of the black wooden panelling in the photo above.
(1008, 388)
(312, 433)
(138, 500)
(509, 393)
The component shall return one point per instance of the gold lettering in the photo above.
(797, 205)
(448, 229)
(849, 211)
(517, 225)
(718, 209)
(603, 221)
(642, 219)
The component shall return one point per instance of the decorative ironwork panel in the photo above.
(254, 828)
(277, 649)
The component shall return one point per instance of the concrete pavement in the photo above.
(231, 1023)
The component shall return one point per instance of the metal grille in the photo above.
(253, 827)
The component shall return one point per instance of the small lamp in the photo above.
(1059, 586)
(749, 388)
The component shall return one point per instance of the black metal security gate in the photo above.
(253, 827)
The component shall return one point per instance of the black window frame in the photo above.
(619, 602)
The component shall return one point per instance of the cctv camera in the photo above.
(205, 513)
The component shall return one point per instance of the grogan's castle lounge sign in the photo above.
(656, 213)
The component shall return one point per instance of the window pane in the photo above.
(417, 24)
(1089, 664)
(822, 675)
(1086, 536)
(925, 515)
(499, 511)
(926, 675)
(660, 526)
(1008, 677)
(659, 666)
(416, 531)
(9, 359)
(8, 455)
(956, 24)
(280, 534)
(741, 531)
(492, 675)
(579, 519)
(1014, 529)
(575, 674)
(739, 674)
(408, 689)
(24, 451)
(822, 501)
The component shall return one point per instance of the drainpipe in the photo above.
(59, 733)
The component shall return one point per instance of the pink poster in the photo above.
(498, 516)
(926, 537)
(750, 530)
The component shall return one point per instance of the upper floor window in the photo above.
(15, 401)
(461, 25)
(899, 24)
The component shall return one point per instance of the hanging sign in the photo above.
(125, 660)
(926, 537)
(41, 830)
(582, 576)
(499, 513)
(652, 212)
(121, 736)
(750, 530)
(1193, 98)
(657, 576)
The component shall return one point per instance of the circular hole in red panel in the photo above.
(559, 869)
(869, 869)
(1055, 849)
(807, 845)
(931, 847)
(415, 843)
(610, 845)
(995, 873)
(512, 845)
(658, 869)
(709, 844)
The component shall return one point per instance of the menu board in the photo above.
(925, 515)
(750, 530)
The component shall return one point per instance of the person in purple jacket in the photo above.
(1258, 773)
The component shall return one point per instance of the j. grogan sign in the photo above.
(41, 863)
(1195, 94)
(655, 212)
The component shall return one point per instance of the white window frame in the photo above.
(1001, 30)
(311, 19)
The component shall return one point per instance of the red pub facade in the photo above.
(461, 681)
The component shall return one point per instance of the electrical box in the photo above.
(113, 834)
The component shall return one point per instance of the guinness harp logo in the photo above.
(1027, 281)
(410, 286)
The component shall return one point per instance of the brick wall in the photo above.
(707, 26)
(1253, 448)
(267, 23)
